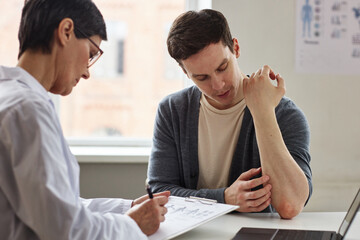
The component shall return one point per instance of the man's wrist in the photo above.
(264, 118)
(225, 198)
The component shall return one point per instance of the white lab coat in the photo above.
(39, 177)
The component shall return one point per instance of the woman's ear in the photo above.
(65, 31)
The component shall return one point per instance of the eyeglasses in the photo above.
(96, 56)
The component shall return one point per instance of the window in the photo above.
(111, 65)
(120, 57)
(127, 83)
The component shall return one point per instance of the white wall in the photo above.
(123, 180)
(266, 33)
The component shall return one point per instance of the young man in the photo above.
(39, 177)
(231, 137)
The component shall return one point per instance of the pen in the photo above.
(148, 189)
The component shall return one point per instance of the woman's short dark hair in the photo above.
(192, 31)
(40, 18)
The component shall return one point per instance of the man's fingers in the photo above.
(266, 70)
(250, 173)
(258, 72)
(272, 75)
(280, 81)
(261, 207)
(259, 193)
(256, 182)
(259, 201)
(255, 206)
(245, 83)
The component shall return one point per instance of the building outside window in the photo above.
(126, 84)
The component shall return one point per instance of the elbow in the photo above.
(289, 210)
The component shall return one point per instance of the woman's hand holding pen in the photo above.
(149, 213)
(145, 197)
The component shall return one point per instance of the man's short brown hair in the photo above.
(192, 31)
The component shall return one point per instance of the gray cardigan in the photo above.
(173, 163)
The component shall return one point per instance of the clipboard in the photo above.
(188, 213)
(201, 200)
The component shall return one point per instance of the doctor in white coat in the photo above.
(39, 177)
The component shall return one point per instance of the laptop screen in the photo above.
(350, 215)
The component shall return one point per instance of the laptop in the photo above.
(246, 233)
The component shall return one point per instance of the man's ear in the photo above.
(236, 47)
(65, 31)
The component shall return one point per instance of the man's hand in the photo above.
(261, 96)
(239, 193)
(148, 213)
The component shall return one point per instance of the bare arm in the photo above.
(289, 184)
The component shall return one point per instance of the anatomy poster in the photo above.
(328, 36)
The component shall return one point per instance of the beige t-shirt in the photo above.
(218, 135)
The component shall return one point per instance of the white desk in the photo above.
(225, 227)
